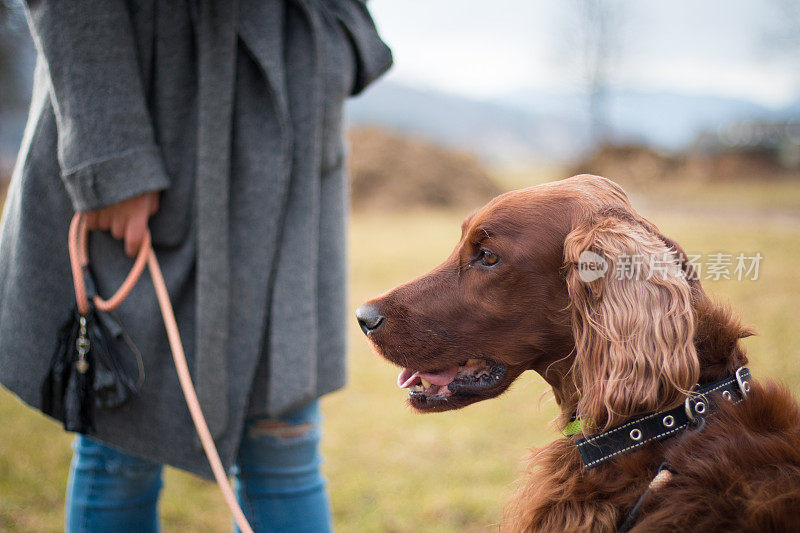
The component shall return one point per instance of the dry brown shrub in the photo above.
(390, 171)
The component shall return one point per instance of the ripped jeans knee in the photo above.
(277, 472)
(281, 445)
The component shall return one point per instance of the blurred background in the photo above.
(694, 107)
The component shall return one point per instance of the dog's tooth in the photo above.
(425, 383)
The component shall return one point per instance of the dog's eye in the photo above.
(488, 258)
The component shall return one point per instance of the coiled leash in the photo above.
(79, 260)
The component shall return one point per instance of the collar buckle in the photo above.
(695, 404)
(744, 384)
(688, 409)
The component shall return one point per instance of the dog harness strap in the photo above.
(632, 435)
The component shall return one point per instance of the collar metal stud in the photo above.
(727, 395)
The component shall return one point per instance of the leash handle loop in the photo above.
(79, 259)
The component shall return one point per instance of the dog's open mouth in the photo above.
(429, 390)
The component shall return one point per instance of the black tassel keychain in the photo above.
(87, 369)
(66, 391)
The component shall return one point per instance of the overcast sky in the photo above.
(487, 48)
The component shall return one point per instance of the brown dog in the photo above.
(539, 282)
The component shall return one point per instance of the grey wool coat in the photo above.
(234, 111)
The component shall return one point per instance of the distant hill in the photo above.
(530, 125)
(493, 131)
(663, 119)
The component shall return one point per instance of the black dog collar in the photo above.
(632, 435)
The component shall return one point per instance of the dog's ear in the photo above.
(632, 318)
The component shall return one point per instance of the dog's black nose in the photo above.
(369, 318)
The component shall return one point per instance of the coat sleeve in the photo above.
(373, 57)
(106, 145)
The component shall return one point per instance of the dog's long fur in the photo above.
(633, 327)
(622, 345)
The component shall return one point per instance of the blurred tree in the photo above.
(590, 42)
(599, 24)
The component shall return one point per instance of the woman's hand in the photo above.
(126, 219)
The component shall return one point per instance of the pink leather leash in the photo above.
(79, 259)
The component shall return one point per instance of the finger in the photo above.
(103, 219)
(154, 204)
(118, 223)
(91, 219)
(134, 234)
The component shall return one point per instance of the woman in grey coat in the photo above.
(222, 120)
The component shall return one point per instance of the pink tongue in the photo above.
(407, 378)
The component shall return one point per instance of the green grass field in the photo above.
(391, 470)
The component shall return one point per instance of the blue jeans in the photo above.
(277, 481)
